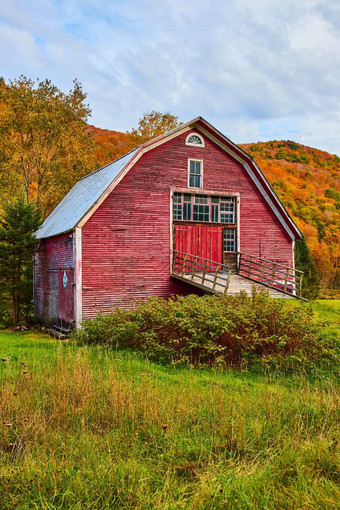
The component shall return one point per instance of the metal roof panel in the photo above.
(81, 198)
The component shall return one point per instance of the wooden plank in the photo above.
(194, 268)
(216, 274)
(184, 263)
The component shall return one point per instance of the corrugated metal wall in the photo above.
(127, 241)
(54, 254)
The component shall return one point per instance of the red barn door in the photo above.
(66, 299)
(204, 241)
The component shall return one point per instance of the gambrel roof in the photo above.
(90, 191)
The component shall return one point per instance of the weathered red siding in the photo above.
(126, 243)
(53, 256)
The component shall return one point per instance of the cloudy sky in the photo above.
(256, 69)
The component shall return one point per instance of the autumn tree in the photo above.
(152, 124)
(18, 223)
(44, 143)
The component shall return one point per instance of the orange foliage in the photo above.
(109, 145)
(307, 182)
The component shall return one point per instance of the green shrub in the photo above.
(230, 330)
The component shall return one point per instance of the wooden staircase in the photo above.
(216, 278)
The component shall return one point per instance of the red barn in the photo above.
(188, 210)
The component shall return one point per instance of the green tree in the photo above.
(45, 146)
(18, 223)
(304, 262)
(152, 124)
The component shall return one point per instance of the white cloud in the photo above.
(19, 43)
(257, 69)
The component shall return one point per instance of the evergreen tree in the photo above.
(304, 262)
(18, 223)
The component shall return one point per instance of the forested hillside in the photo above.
(307, 182)
(109, 145)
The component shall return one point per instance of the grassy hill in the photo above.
(307, 181)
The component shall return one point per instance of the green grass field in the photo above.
(85, 428)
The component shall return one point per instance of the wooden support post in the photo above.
(216, 275)
(174, 261)
(193, 268)
(227, 283)
(273, 275)
(204, 271)
(300, 285)
(286, 279)
(261, 269)
(250, 261)
(239, 262)
(184, 262)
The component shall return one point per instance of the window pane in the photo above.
(229, 240)
(200, 212)
(227, 206)
(194, 140)
(195, 167)
(201, 199)
(177, 211)
(227, 217)
(197, 182)
(205, 213)
(187, 211)
(214, 213)
(195, 174)
(222, 209)
(177, 198)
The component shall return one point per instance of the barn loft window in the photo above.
(195, 168)
(194, 139)
(205, 208)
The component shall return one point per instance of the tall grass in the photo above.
(83, 428)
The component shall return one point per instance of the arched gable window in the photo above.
(194, 139)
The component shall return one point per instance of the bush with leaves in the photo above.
(232, 330)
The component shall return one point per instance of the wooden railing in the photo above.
(270, 273)
(211, 276)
